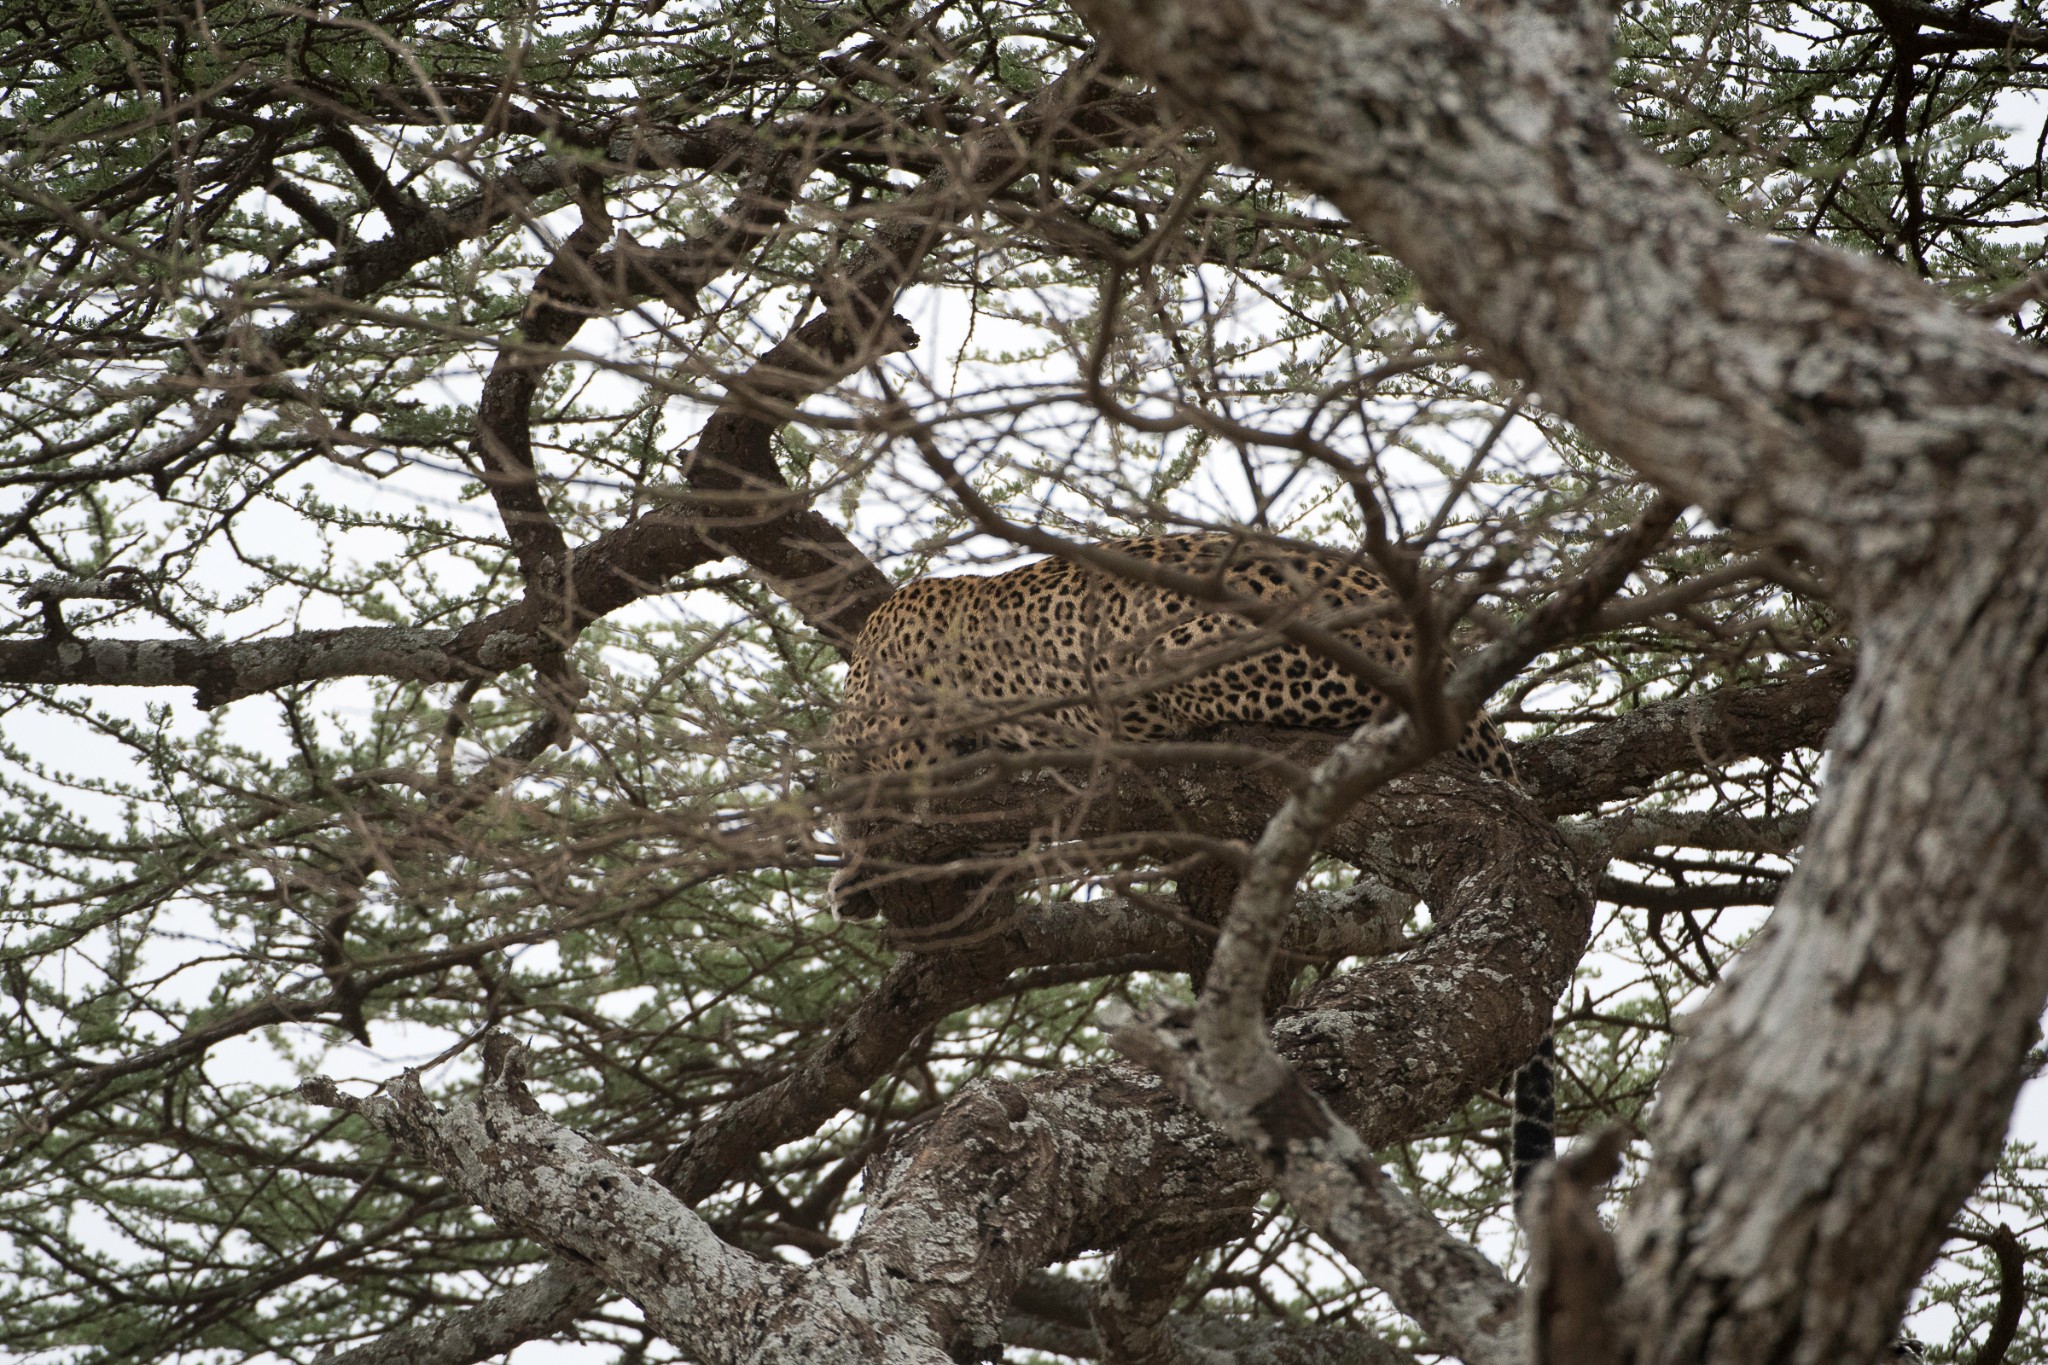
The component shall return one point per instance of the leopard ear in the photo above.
(849, 899)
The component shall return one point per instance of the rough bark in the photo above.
(1851, 1086)
(1053, 1314)
(505, 1153)
(1627, 755)
(1331, 1181)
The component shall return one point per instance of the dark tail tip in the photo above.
(1535, 1132)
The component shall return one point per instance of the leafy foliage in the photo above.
(272, 284)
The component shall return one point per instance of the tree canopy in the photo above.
(449, 450)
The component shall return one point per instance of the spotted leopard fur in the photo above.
(1057, 653)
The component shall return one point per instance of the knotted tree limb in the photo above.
(1333, 1183)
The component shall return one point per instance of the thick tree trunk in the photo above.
(1852, 1081)
(1843, 1097)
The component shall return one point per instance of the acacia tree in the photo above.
(499, 421)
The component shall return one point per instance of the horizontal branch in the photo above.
(223, 671)
(1626, 756)
(1670, 900)
(1629, 832)
(1965, 30)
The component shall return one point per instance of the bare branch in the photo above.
(503, 1153)
(1627, 755)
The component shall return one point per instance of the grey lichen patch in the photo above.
(540, 1178)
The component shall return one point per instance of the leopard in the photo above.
(1062, 653)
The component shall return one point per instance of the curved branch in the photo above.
(744, 507)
